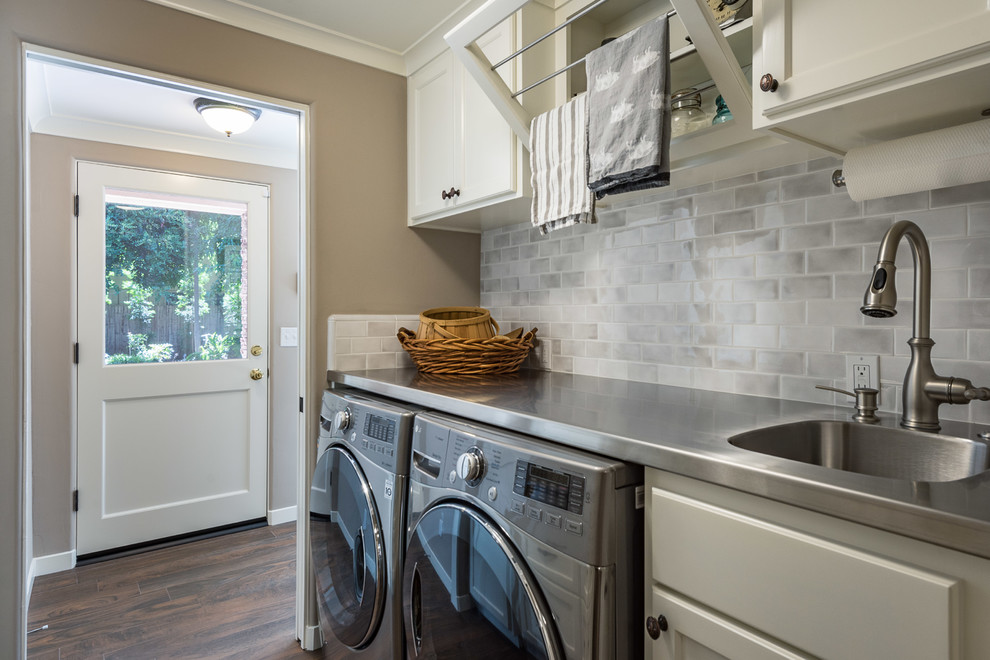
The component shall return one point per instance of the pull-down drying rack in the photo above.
(696, 16)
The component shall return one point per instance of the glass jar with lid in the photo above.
(686, 114)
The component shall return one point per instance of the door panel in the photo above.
(172, 400)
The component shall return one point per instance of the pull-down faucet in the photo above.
(924, 391)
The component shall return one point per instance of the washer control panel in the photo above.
(372, 427)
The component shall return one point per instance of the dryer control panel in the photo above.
(561, 496)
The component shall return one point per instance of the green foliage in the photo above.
(139, 352)
(188, 259)
(214, 347)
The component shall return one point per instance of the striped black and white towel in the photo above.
(629, 111)
(558, 154)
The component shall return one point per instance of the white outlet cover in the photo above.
(871, 363)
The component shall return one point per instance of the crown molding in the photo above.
(278, 26)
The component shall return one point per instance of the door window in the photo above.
(468, 594)
(176, 278)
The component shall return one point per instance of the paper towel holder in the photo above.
(838, 180)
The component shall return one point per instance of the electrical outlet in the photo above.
(862, 371)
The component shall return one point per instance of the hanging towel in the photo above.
(558, 155)
(629, 111)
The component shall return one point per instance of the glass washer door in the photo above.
(348, 549)
(467, 592)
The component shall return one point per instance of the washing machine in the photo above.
(519, 548)
(356, 523)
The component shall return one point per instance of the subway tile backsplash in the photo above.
(749, 285)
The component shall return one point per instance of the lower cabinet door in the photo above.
(694, 632)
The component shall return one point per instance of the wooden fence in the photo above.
(166, 327)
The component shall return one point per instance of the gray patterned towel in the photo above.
(558, 154)
(629, 111)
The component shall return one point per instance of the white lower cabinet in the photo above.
(696, 633)
(738, 576)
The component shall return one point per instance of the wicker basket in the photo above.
(497, 355)
(456, 322)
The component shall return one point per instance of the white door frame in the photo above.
(306, 428)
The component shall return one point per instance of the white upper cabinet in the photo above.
(850, 73)
(464, 160)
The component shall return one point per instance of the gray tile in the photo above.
(780, 263)
(969, 194)
(714, 202)
(780, 313)
(758, 194)
(735, 221)
(751, 242)
(675, 209)
(781, 215)
(979, 219)
(806, 288)
(966, 252)
(659, 233)
(806, 337)
(735, 267)
(734, 358)
(805, 185)
(832, 207)
(694, 227)
(758, 384)
(713, 246)
(761, 289)
(860, 230)
(897, 204)
(810, 236)
(694, 313)
(833, 260)
(863, 340)
(780, 362)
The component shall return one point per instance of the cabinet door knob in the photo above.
(449, 194)
(656, 625)
(768, 83)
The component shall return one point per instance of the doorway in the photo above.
(173, 359)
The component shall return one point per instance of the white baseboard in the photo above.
(61, 561)
(279, 516)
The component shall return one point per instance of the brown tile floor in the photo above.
(224, 597)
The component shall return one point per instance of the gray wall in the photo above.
(749, 285)
(53, 319)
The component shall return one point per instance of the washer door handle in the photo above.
(417, 609)
(358, 564)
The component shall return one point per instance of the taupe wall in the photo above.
(363, 257)
(53, 318)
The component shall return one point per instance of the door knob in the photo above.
(256, 374)
(256, 350)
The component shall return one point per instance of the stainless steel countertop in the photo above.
(685, 431)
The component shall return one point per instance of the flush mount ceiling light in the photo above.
(226, 117)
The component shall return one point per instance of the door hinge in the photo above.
(75, 206)
(75, 353)
(75, 500)
(301, 405)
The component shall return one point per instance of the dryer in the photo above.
(519, 548)
(357, 521)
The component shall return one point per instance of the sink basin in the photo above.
(872, 450)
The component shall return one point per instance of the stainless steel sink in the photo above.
(872, 450)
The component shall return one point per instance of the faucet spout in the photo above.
(880, 300)
(924, 390)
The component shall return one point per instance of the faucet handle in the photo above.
(977, 393)
(866, 402)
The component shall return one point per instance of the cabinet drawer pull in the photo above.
(450, 194)
(768, 83)
(656, 625)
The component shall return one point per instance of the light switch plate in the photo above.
(289, 337)
(862, 371)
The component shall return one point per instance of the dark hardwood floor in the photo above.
(224, 597)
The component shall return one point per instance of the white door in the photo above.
(173, 342)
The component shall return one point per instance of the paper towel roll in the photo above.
(947, 157)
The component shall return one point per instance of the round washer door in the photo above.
(348, 549)
(467, 592)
